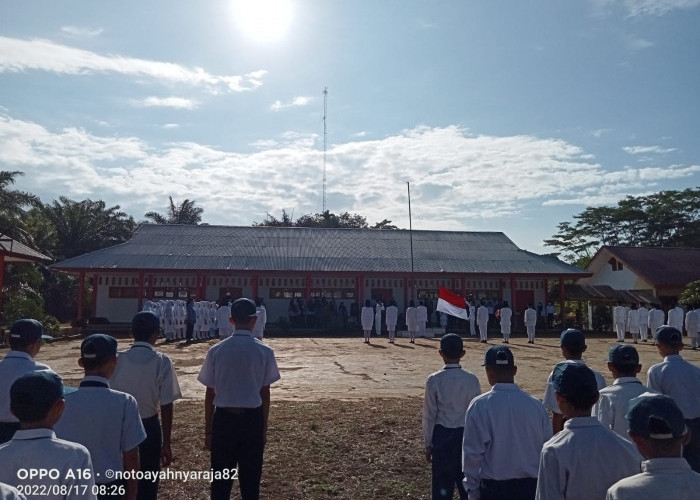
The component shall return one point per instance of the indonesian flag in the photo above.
(452, 304)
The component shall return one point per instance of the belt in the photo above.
(236, 411)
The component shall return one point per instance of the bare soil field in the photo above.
(345, 421)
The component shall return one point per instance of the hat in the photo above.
(451, 345)
(655, 416)
(36, 389)
(569, 379)
(98, 346)
(145, 322)
(241, 309)
(572, 338)
(623, 355)
(498, 355)
(668, 335)
(28, 330)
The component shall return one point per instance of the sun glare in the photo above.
(263, 20)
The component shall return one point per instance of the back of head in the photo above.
(368, 303)
(96, 350)
(25, 332)
(451, 345)
(657, 419)
(624, 358)
(669, 336)
(576, 383)
(242, 311)
(144, 325)
(573, 340)
(32, 395)
(500, 364)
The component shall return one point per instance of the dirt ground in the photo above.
(346, 417)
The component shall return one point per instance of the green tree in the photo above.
(12, 206)
(325, 219)
(691, 294)
(667, 218)
(185, 213)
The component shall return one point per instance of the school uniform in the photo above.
(612, 403)
(482, 321)
(692, 326)
(237, 369)
(643, 314)
(149, 376)
(13, 366)
(448, 393)
(550, 397)
(530, 320)
(392, 317)
(378, 318)
(41, 449)
(472, 319)
(583, 460)
(259, 327)
(660, 478)
(105, 421)
(633, 324)
(421, 319)
(506, 314)
(504, 430)
(656, 319)
(675, 318)
(679, 379)
(619, 317)
(367, 320)
(411, 322)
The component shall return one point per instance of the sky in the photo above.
(503, 115)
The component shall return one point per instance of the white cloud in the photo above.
(82, 32)
(636, 150)
(635, 43)
(297, 101)
(635, 8)
(166, 102)
(171, 125)
(44, 55)
(461, 176)
(362, 133)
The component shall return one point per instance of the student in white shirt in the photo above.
(37, 401)
(105, 421)
(504, 430)
(392, 317)
(411, 321)
(149, 376)
(26, 336)
(679, 379)
(367, 320)
(448, 393)
(623, 363)
(506, 313)
(530, 320)
(658, 429)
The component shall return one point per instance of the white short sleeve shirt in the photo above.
(550, 396)
(13, 366)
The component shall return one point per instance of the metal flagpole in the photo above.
(410, 235)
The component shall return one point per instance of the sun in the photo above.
(263, 20)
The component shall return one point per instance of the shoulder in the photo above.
(63, 446)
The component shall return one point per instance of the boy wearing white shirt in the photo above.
(448, 393)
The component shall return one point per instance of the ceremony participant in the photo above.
(656, 318)
(679, 379)
(25, 340)
(105, 421)
(623, 363)
(378, 308)
(411, 322)
(620, 318)
(482, 321)
(238, 373)
(367, 320)
(421, 318)
(550, 314)
(504, 430)
(692, 326)
(658, 429)
(506, 314)
(36, 399)
(530, 320)
(643, 318)
(149, 376)
(190, 320)
(223, 319)
(583, 460)
(633, 322)
(573, 344)
(392, 317)
(447, 396)
(261, 313)
(472, 317)
(675, 317)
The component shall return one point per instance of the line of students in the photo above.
(619, 442)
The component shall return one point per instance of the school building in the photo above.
(169, 262)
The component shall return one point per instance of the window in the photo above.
(615, 264)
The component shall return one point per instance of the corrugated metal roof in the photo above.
(14, 250)
(186, 247)
(662, 266)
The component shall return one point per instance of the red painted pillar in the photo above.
(199, 287)
(562, 300)
(149, 288)
(95, 281)
(255, 283)
(81, 292)
(307, 288)
(361, 290)
(140, 292)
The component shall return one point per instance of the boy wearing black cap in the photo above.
(106, 421)
(149, 376)
(658, 429)
(573, 345)
(25, 341)
(37, 401)
(677, 378)
(583, 460)
(448, 393)
(237, 373)
(504, 431)
(623, 363)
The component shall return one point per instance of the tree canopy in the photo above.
(12, 206)
(184, 213)
(664, 219)
(325, 219)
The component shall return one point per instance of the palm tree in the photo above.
(185, 213)
(12, 205)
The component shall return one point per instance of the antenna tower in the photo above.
(325, 141)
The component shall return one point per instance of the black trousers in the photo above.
(691, 451)
(447, 463)
(7, 430)
(189, 331)
(237, 441)
(509, 489)
(149, 455)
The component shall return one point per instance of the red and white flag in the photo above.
(452, 304)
